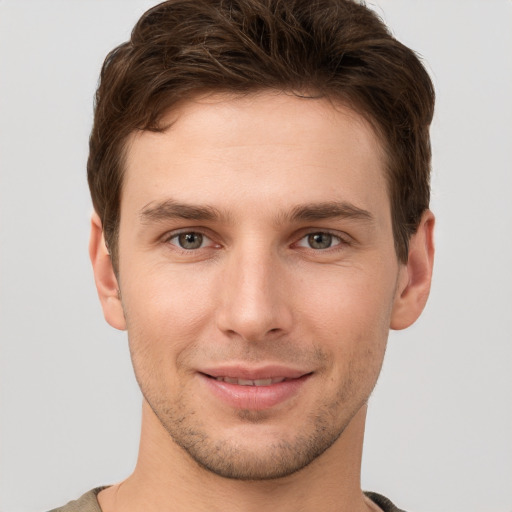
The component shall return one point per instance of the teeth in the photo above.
(248, 382)
(263, 382)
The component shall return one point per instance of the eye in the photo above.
(189, 240)
(319, 241)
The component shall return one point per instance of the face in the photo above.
(258, 277)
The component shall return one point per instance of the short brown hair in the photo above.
(339, 49)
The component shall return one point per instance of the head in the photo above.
(260, 175)
(334, 49)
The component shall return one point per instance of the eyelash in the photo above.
(337, 241)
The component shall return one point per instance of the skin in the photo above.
(277, 174)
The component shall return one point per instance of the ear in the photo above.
(104, 276)
(415, 276)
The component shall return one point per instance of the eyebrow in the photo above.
(329, 210)
(171, 209)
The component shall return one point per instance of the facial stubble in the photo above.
(284, 455)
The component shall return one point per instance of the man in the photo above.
(259, 171)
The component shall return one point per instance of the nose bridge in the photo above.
(253, 299)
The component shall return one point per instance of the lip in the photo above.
(262, 372)
(254, 397)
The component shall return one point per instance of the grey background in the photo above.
(440, 423)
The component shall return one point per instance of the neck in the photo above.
(166, 479)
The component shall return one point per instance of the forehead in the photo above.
(268, 149)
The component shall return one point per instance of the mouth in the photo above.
(250, 382)
(254, 389)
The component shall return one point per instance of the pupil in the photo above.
(320, 240)
(190, 240)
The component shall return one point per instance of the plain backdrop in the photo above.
(439, 435)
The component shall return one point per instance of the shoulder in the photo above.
(86, 503)
(384, 503)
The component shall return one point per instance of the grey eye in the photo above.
(189, 241)
(320, 240)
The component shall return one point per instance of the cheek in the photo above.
(348, 299)
(349, 314)
(165, 312)
(170, 297)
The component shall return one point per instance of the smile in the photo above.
(242, 388)
(249, 382)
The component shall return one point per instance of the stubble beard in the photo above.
(232, 459)
(286, 453)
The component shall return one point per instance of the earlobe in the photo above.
(415, 276)
(104, 276)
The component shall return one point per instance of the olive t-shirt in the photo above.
(89, 503)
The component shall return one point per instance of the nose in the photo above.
(254, 302)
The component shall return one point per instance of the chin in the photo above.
(272, 462)
(256, 452)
